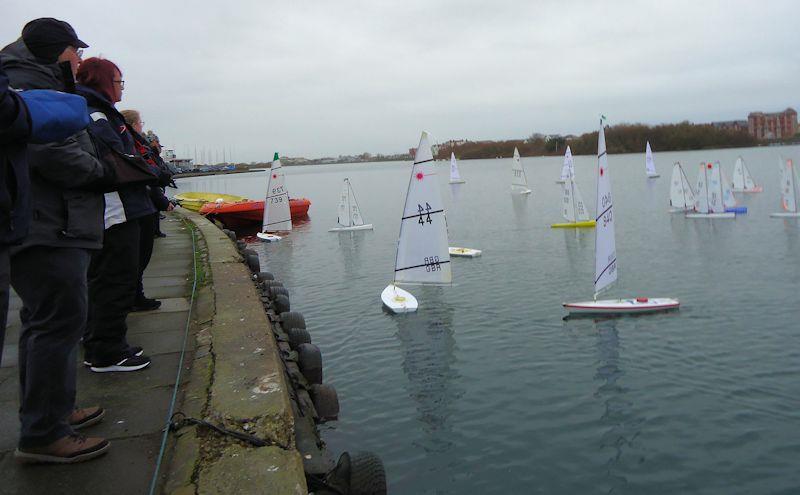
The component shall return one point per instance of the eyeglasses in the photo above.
(78, 51)
(121, 83)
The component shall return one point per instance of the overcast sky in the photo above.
(341, 77)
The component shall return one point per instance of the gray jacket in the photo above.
(65, 177)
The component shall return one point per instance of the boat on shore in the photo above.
(195, 200)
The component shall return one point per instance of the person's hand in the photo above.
(170, 207)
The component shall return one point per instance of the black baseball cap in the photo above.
(47, 37)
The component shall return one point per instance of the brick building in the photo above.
(772, 125)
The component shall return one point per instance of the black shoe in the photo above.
(159, 234)
(132, 363)
(145, 304)
(133, 351)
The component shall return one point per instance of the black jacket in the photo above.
(14, 182)
(108, 129)
(65, 210)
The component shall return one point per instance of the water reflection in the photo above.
(428, 346)
(350, 244)
(621, 425)
(520, 204)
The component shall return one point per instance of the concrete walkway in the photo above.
(136, 403)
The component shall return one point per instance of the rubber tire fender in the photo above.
(253, 263)
(241, 245)
(292, 319)
(309, 359)
(281, 303)
(264, 276)
(363, 471)
(297, 337)
(276, 290)
(326, 401)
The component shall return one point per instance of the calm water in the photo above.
(486, 390)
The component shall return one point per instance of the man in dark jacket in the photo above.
(48, 270)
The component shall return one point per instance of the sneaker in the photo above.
(65, 450)
(146, 304)
(133, 350)
(131, 363)
(88, 416)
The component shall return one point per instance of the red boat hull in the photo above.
(245, 214)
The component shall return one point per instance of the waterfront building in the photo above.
(777, 125)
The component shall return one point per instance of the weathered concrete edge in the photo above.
(236, 378)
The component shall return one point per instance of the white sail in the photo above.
(714, 180)
(680, 193)
(519, 182)
(277, 216)
(788, 187)
(728, 199)
(568, 200)
(749, 183)
(349, 213)
(738, 174)
(650, 164)
(455, 177)
(701, 200)
(568, 168)
(422, 250)
(605, 251)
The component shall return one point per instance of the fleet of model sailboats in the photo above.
(423, 256)
(605, 252)
(708, 200)
(277, 216)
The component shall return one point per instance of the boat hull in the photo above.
(397, 300)
(459, 181)
(711, 215)
(264, 236)
(367, 226)
(574, 225)
(654, 176)
(639, 305)
(560, 181)
(785, 214)
(756, 189)
(245, 214)
(736, 209)
(464, 252)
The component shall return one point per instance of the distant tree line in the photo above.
(621, 138)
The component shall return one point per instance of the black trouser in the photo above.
(147, 234)
(112, 288)
(5, 271)
(52, 285)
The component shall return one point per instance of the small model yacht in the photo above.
(277, 216)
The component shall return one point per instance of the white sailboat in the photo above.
(605, 253)
(742, 180)
(568, 169)
(708, 200)
(789, 191)
(423, 256)
(681, 196)
(349, 212)
(519, 181)
(573, 207)
(455, 178)
(728, 198)
(649, 163)
(277, 216)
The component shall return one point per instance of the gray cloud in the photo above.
(329, 78)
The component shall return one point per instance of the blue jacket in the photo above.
(14, 181)
(108, 129)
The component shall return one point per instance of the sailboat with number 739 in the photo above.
(605, 253)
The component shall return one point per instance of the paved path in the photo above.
(136, 403)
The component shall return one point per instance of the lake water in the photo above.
(487, 390)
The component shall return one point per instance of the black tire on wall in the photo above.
(297, 337)
(241, 245)
(264, 276)
(253, 263)
(248, 252)
(367, 474)
(326, 401)
(292, 319)
(281, 303)
(276, 290)
(266, 284)
(309, 359)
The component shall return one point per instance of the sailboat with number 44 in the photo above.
(423, 256)
(605, 253)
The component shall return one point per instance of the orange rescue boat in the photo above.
(243, 214)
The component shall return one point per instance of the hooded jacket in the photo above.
(66, 212)
(108, 128)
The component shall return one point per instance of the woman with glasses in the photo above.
(114, 271)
